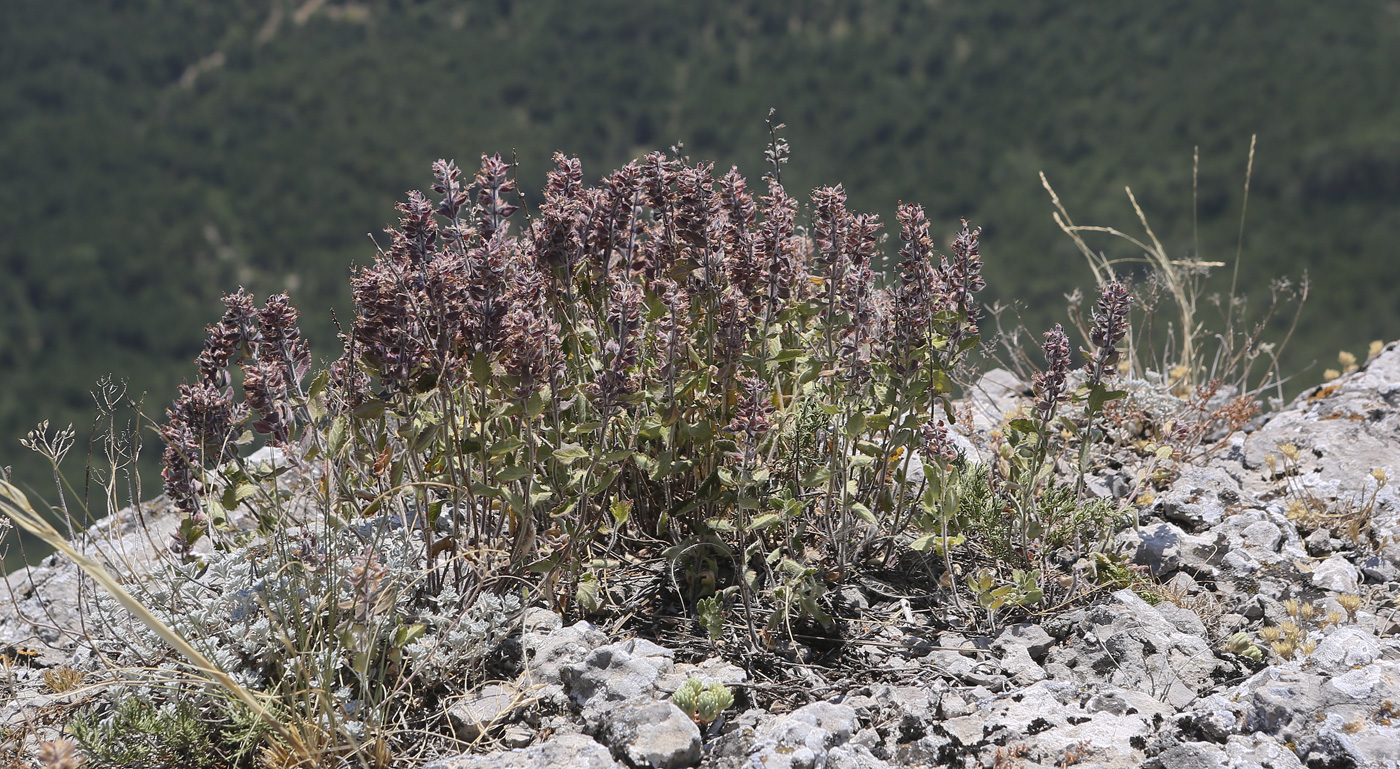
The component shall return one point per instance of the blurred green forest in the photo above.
(157, 153)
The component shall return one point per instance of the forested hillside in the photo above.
(156, 154)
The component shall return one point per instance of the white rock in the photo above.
(1336, 574)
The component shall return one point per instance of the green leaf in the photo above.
(540, 494)
(711, 616)
(942, 383)
(235, 494)
(318, 383)
(644, 463)
(1100, 395)
(621, 511)
(651, 427)
(481, 369)
(792, 353)
(792, 568)
(484, 490)
(604, 482)
(923, 543)
(588, 593)
(862, 512)
(702, 432)
(316, 407)
(409, 633)
(535, 406)
(505, 446)
(855, 426)
(616, 457)
(817, 476)
(218, 514)
(568, 453)
(370, 409)
(663, 466)
(512, 473)
(425, 437)
(335, 438)
(869, 448)
(1024, 425)
(726, 477)
(764, 521)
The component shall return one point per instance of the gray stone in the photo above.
(575, 751)
(1028, 636)
(996, 393)
(1346, 648)
(853, 757)
(712, 670)
(476, 714)
(546, 653)
(1016, 662)
(1343, 430)
(656, 734)
(1130, 644)
(1199, 498)
(804, 738)
(1262, 535)
(616, 673)
(1259, 751)
(1156, 546)
(1181, 618)
(1330, 718)
(1321, 544)
(1378, 569)
(1336, 574)
(1103, 725)
(1355, 742)
(539, 620)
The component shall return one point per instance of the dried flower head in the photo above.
(59, 754)
(265, 388)
(281, 339)
(1109, 327)
(494, 184)
(1050, 384)
(751, 418)
(229, 340)
(938, 444)
(777, 253)
(963, 276)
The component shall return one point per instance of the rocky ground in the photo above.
(1268, 639)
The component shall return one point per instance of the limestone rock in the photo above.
(575, 751)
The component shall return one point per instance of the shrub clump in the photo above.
(664, 363)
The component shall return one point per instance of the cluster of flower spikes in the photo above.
(444, 291)
(204, 421)
(1109, 327)
(1051, 385)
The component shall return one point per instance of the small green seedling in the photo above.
(703, 703)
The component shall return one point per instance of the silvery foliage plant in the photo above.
(253, 610)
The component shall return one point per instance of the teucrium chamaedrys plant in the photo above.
(666, 357)
(660, 340)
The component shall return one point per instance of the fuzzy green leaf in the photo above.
(568, 453)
